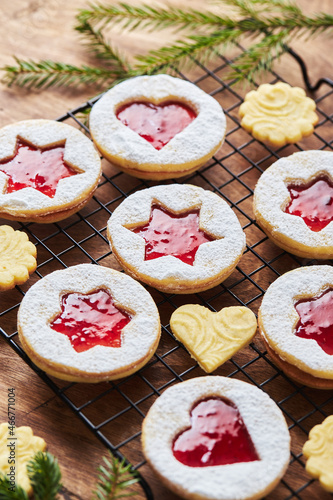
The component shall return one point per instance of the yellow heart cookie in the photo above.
(319, 451)
(213, 337)
(17, 257)
(17, 447)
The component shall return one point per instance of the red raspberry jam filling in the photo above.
(314, 203)
(91, 319)
(157, 123)
(40, 169)
(218, 436)
(316, 320)
(172, 234)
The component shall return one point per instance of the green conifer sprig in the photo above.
(97, 43)
(275, 22)
(45, 74)
(114, 479)
(45, 476)
(7, 493)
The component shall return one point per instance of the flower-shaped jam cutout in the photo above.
(91, 319)
(38, 168)
(157, 123)
(168, 233)
(17, 257)
(313, 202)
(217, 436)
(319, 452)
(316, 320)
(278, 114)
(21, 445)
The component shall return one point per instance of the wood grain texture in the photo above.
(42, 29)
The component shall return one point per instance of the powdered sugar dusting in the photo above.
(197, 140)
(279, 318)
(79, 153)
(170, 415)
(216, 218)
(42, 303)
(271, 196)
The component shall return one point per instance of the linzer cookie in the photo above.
(296, 322)
(176, 238)
(17, 257)
(213, 337)
(157, 127)
(278, 114)
(216, 438)
(48, 171)
(17, 448)
(88, 323)
(293, 203)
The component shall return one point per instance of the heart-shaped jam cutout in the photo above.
(316, 320)
(157, 123)
(213, 337)
(172, 234)
(90, 320)
(313, 202)
(40, 169)
(217, 436)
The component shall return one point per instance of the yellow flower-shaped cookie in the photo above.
(278, 114)
(319, 452)
(17, 257)
(16, 453)
(213, 337)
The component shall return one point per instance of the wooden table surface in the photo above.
(42, 29)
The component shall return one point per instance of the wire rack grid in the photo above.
(114, 411)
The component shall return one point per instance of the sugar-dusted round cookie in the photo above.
(88, 323)
(48, 171)
(177, 238)
(157, 127)
(296, 322)
(216, 438)
(293, 203)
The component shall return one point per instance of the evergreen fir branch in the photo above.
(6, 493)
(114, 479)
(102, 49)
(45, 74)
(273, 20)
(193, 47)
(144, 16)
(45, 476)
(259, 57)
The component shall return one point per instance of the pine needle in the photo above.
(274, 21)
(7, 493)
(114, 478)
(45, 476)
(102, 49)
(45, 74)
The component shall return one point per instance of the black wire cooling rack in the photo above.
(114, 411)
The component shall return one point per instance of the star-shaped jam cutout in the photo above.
(316, 320)
(172, 234)
(38, 168)
(313, 202)
(90, 319)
